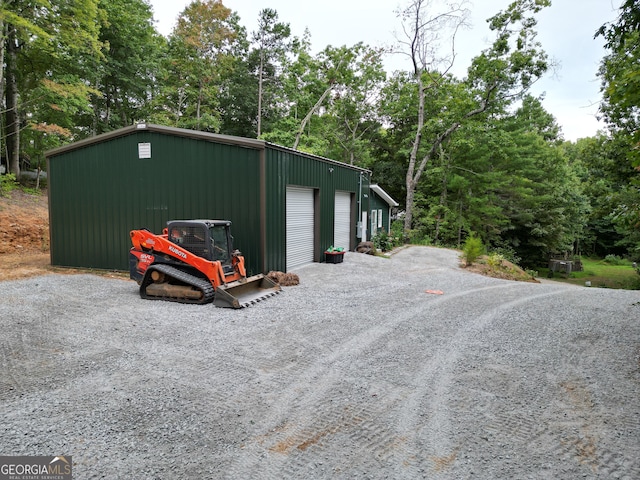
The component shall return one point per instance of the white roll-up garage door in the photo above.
(300, 223)
(342, 221)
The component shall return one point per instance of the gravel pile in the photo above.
(358, 372)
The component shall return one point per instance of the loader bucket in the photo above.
(246, 292)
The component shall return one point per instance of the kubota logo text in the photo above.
(177, 252)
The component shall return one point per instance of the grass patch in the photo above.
(601, 273)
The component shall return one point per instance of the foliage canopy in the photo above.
(474, 154)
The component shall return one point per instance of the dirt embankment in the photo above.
(24, 229)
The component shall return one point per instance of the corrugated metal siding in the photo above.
(100, 192)
(288, 168)
(379, 204)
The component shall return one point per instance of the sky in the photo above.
(566, 30)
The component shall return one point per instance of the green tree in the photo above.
(51, 49)
(548, 211)
(330, 70)
(203, 49)
(605, 174)
(273, 42)
(331, 101)
(253, 98)
(353, 106)
(238, 99)
(305, 86)
(499, 75)
(393, 142)
(619, 73)
(621, 109)
(507, 178)
(127, 76)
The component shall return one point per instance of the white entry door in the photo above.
(299, 225)
(342, 221)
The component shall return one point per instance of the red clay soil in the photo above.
(24, 230)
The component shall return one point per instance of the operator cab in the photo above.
(210, 239)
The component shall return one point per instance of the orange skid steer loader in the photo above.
(193, 261)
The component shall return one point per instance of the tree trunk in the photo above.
(413, 173)
(200, 94)
(260, 91)
(445, 162)
(306, 119)
(408, 219)
(460, 226)
(13, 120)
(410, 182)
(354, 139)
(3, 43)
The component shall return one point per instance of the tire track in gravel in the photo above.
(368, 383)
(548, 421)
(433, 441)
(316, 407)
(36, 346)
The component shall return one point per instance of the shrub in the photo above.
(615, 260)
(507, 253)
(417, 237)
(495, 260)
(397, 232)
(382, 241)
(472, 249)
(7, 184)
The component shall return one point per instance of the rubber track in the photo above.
(203, 285)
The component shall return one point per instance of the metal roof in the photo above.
(383, 195)
(317, 157)
(195, 134)
(180, 132)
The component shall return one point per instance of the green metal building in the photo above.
(286, 206)
(380, 204)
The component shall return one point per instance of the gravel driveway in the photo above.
(355, 373)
